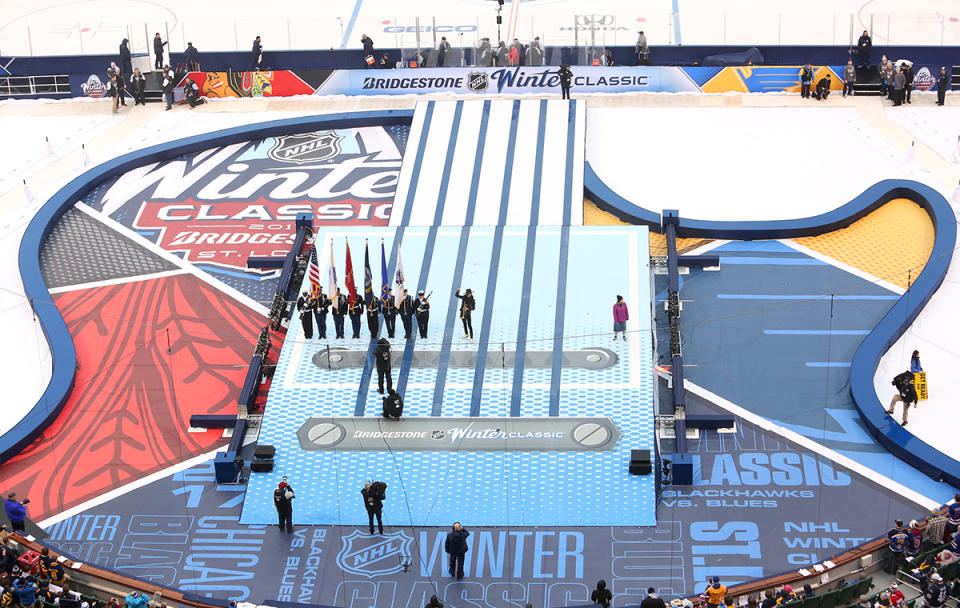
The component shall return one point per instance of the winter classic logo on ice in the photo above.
(372, 556)
(93, 87)
(306, 147)
(477, 82)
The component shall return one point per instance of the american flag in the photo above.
(313, 271)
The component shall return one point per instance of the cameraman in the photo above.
(373, 496)
(16, 511)
(906, 394)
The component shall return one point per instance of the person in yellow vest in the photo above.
(715, 593)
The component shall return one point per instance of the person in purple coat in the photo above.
(620, 317)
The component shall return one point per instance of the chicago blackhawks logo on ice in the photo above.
(306, 147)
(372, 556)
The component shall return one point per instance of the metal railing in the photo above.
(15, 86)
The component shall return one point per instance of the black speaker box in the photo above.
(639, 456)
(261, 465)
(264, 451)
(640, 469)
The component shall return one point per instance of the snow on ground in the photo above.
(937, 127)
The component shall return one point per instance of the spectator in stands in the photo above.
(356, 313)
(256, 54)
(943, 85)
(896, 544)
(641, 49)
(786, 596)
(752, 601)
(138, 85)
(715, 593)
(8, 556)
(864, 44)
(620, 317)
(158, 45)
(914, 536)
(26, 589)
(947, 557)
(953, 512)
(8, 594)
(652, 600)
(908, 75)
(442, 49)
(768, 599)
(601, 596)
(135, 599)
(16, 510)
(936, 593)
(113, 603)
(936, 525)
(915, 366)
(806, 77)
(807, 591)
(126, 68)
(849, 77)
(886, 77)
(456, 547)
(865, 602)
(383, 358)
(192, 57)
(535, 53)
(566, 77)
(4, 533)
(896, 596)
(823, 88)
(283, 501)
(374, 493)
(166, 85)
(191, 91)
(367, 43)
(433, 603)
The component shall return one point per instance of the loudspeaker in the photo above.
(640, 462)
(264, 451)
(683, 469)
(261, 465)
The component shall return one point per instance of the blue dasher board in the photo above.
(531, 423)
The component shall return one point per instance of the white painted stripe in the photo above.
(461, 173)
(707, 247)
(554, 161)
(133, 485)
(406, 168)
(118, 281)
(434, 157)
(187, 266)
(845, 267)
(809, 444)
(519, 201)
(494, 157)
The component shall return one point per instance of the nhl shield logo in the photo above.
(478, 82)
(306, 147)
(372, 556)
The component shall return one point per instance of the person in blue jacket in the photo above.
(896, 543)
(915, 366)
(16, 511)
(26, 588)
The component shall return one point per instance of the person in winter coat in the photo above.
(535, 53)
(943, 84)
(715, 592)
(914, 539)
(456, 547)
(138, 85)
(26, 588)
(384, 359)
(620, 317)
(566, 77)
(373, 317)
(823, 88)
(601, 596)
(897, 538)
(502, 54)
(373, 496)
(806, 78)
(936, 594)
(908, 76)
(915, 366)
(906, 394)
(158, 45)
(641, 49)
(191, 92)
(514, 55)
(135, 599)
(113, 90)
(126, 68)
(886, 78)
(864, 44)
(433, 603)
(652, 600)
(192, 57)
(256, 54)
(283, 501)
(407, 308)
(386, 63)
(367, 43)
(166, 85)
(899, 82)
(849, 77)
(467, 305)
(442, 49)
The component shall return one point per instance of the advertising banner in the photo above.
(506, 81)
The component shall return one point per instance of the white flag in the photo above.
(398, 279)
(332, 288)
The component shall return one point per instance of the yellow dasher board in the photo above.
(920, 383)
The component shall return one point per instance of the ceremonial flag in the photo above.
(313, 271)
(348, 278)
(367, 275)
(398, 294)
(385, 285)
(332, 289)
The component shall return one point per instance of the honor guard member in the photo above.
(390, 314)
(321, 304)
(356, 311)
(373, 317)
(339, 311)
(407, 309)
(305, 308)
(383, 359)
(422, 310)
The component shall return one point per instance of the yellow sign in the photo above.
(920, 382)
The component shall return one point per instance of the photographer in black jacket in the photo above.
(374, 493)
(906, 394)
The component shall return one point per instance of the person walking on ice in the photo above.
(620, 317)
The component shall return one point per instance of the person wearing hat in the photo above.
(422, 312)
(715, 593)
(374, 493)
(896, 596)
(652, 600)
(936, 594)
(864, 602)
(283, 501)
(320, 304)
(26, 588)
(933, 533)
(16, 511)
(407, 308)
(356, 312)
(786, 596)
(897, 538)
(601, 596)
(467, 306)
(914, 539)
(305, 308)
(340, 304)
(943, 84)
(373, 317)
(390, 314)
